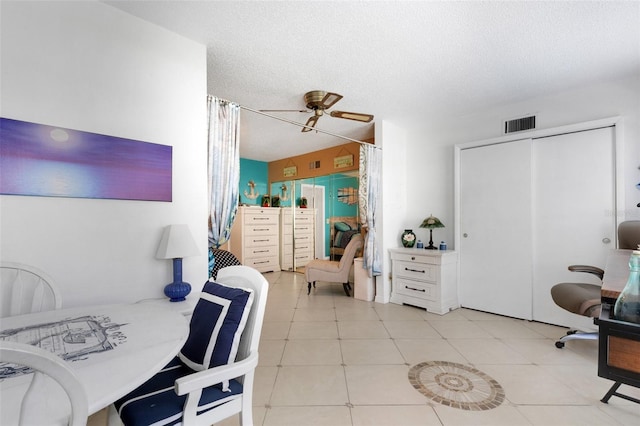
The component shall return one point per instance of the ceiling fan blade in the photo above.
(311, 122)
(285, 110)
(352, 116)
(330, 99)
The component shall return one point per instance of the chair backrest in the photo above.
(221, 259)
(350, 251)
(247, 277)
(629, 235)
(44, 363)
(25, 289)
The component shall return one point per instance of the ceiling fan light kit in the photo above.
(318, 101)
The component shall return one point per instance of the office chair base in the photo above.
(576, 335)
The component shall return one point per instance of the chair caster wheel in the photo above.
(559, 344)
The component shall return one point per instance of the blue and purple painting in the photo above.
(42, 160)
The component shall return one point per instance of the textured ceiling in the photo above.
(401, 61)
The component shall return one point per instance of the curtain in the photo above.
(223, 165)
(370, 171)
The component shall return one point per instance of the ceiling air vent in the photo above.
(520, 124)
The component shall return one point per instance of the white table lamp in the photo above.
(176, 243)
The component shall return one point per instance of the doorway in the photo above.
(315, 197)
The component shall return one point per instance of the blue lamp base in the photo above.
(178, 290)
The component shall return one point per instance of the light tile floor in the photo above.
(326, 359)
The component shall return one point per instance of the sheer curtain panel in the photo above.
(223, 168)
(370, 170)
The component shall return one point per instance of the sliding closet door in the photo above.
(495, 229)
(574, 214)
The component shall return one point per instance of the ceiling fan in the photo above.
(318, 101)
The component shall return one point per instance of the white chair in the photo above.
(25, 289)
(178, 394)
(44, 363)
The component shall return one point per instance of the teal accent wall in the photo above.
(331, 183)
(258, 172)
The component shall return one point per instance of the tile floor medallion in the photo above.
(456, 385)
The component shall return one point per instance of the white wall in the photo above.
(90, 67)
(430, 163)
(395, 202)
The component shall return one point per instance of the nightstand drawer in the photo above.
(418, 257)
(417, 271)
(417, 289)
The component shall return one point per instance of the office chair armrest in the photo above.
(212, 376)
(588, 269)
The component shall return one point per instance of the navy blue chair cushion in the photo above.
(216, 326)
(156, 400)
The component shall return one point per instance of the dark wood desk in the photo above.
(619, 341)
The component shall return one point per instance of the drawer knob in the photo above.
(415, 289)
(414, 270)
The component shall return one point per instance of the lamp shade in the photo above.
(431, 223)
(176, 242)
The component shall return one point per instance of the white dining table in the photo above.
(113, 349)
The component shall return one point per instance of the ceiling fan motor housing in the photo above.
(321, 100)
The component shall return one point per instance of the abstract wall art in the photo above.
(44, 160)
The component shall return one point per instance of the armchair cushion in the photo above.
(216, 326)
(342, 226)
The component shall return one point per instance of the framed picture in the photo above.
(43, 160)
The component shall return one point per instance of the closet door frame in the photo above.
(616, 122)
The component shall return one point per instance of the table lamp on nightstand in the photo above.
(430, 223)
(176, 243)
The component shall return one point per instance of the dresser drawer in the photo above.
(260, 241)
(302, 259)
(260, 217)
(263, 264)
(304, 228)
(417, 271)
(260, 229)
(416, 289)
(261, 251)
(304, 216)
(303, 239)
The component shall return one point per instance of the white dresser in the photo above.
(255, 237)
(302, 232)
(425, 278)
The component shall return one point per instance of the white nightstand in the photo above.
(425, 278)
(185, 307)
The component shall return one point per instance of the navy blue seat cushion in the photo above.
(156, 400)
(217, 323)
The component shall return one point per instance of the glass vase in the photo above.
(408, 238)
(627, 307)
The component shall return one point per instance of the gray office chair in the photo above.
(584, 299)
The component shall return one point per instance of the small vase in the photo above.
(627, 307)
(408, 238)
